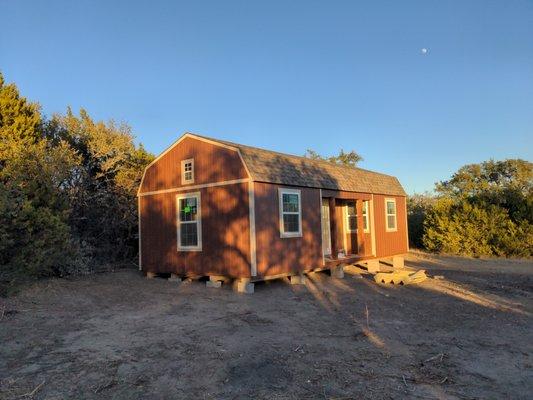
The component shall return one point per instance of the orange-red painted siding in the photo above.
(212, 163)
(225, 220)
(225, 234)
(276, 255)
(390, 243)
(224, 213)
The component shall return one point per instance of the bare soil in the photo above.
(122, 336)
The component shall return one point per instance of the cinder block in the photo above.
(174, 278)
(397, 262)
(213, 284)
(151, 275)
(245, 286)
(337, 272)
(373, 266)
(297, 279)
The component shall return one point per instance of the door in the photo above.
(326, 229)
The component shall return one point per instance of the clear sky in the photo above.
(291, 75)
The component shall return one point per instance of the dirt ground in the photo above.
(121, 336)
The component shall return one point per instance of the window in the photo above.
(365, 217)
(390, 214)
(187, 171)
(290, 213)
(189, 222)
(351, 215)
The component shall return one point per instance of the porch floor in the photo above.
(348, 259)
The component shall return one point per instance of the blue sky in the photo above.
(291, 75)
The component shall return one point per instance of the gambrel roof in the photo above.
(273, 167)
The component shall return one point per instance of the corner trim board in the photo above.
(139, 231)
(253, 244)
(406, 224)
(372, 226)
(322, 230)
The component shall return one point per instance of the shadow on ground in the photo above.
(121, 336)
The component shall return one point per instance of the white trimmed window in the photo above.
(366, 225)
(187, 171)
(351, 216)
(290, 213)
(189, 220)
(390, 215)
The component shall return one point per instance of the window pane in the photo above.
(352, 222)
(391, 207)
(188, 209)
(391, 222)
(365, 215)
(351, 208)
(189, 234)
(291, 223)
(290, 202)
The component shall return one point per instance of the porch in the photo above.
(347, 227)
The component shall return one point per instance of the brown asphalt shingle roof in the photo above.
(273, 167)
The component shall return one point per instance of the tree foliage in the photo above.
(483, 209)
(349, 159)
(418, 206)
(67, 190)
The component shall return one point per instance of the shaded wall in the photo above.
(211, 164)
(277, 255)
(225, 234)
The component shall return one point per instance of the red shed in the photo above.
(208, 207)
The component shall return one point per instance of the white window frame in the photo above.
(183, 163)
(347, 217)
(282, 232)
(198, 221)
(387, 215)
(366, 218)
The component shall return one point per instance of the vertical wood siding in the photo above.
(211, 164)
(225, 234)
(277, 255)
(225, 220)
(390, 243)
(352, 240)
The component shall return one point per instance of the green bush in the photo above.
(483, 210)
(418, 207)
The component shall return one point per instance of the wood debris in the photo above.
(401, 277)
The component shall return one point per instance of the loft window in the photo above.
(365, 216)
(189, 222)
(390, 215)
(290, 206)
(187, 171)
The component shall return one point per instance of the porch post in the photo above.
(333, 227)
(360, 228)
